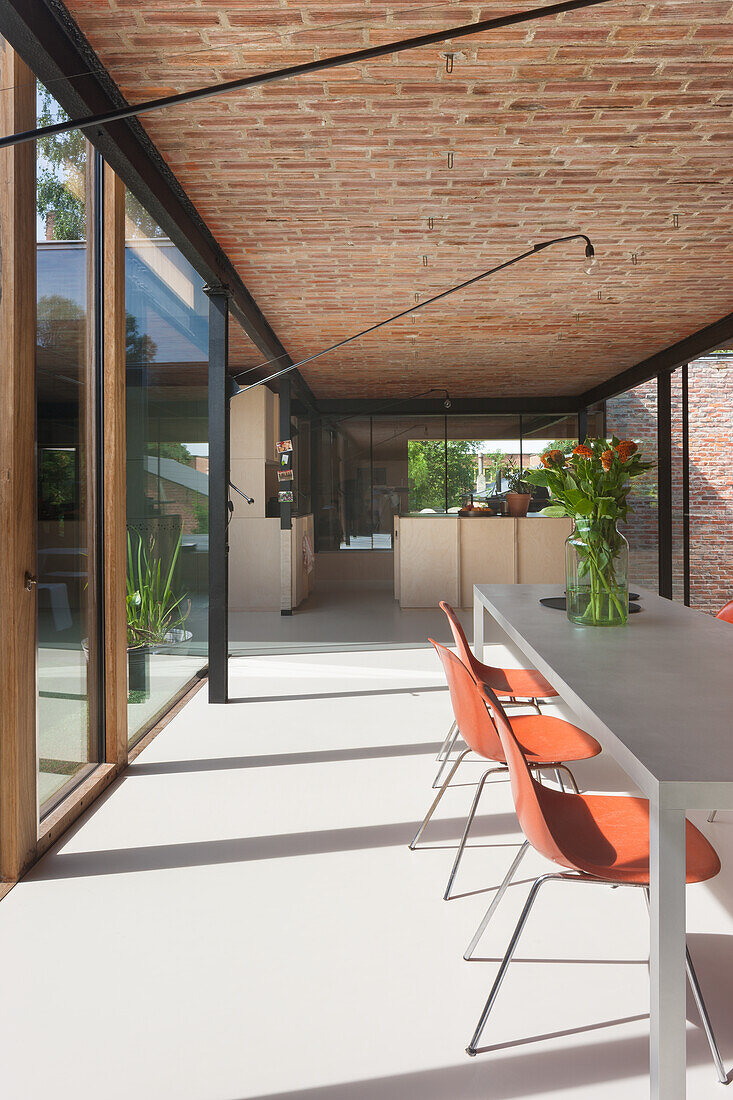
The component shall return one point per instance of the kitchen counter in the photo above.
(441, 557)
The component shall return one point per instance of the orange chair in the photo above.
(510, 684)
(726, 614)
(594, 838)
(547, 741)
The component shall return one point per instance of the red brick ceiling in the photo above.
(608, 121)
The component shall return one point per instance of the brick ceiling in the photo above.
(608, 121)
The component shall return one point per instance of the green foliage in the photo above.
(580, 486)
(61, 173)
(179, 452)
(57, 486)
(516, 481)
(201, 513)
(139, 348)
(153, 609)
(426, 471)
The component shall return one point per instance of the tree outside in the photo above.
(426, 472)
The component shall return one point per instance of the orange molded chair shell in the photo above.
(523, 683)
(604, 836)
(544, 739)
(726, 613)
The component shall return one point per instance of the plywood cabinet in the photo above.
(442, 557)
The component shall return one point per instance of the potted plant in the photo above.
(155, 614)
(591, 485)
(519, 492)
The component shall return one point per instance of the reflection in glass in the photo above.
(167, 469)
(67, 666)
(633, 415)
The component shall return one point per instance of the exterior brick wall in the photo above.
(633, 416)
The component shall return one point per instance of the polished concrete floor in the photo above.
(338, 614)
(240, 918)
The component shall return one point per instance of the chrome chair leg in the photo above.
(498, 980)
(712, 815)
(469, 822)
(558, 777)
(446, 759)
(441, 755)
(437, 798)
(701, 1008)
(468, 953)
(564, 768)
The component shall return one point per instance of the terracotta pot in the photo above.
(518, 503)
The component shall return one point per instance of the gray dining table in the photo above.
(657, 693)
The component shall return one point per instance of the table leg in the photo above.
(478, 628)
(667, 954)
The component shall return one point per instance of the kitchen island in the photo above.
(441, 557)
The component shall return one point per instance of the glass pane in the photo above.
(401, 482)
(678, 517)
(711, 485)
(67, 642)
(633, 415)
(167, 468)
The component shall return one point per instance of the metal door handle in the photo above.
(30, 581)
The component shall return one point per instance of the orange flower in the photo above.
(607, 459)
(582, 451)
(625, 449)
(554, 457)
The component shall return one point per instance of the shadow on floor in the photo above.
(514, 1077)
(156, 857)
(316, 696)
(282, 759)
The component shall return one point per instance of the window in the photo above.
(67, 568)
(167, 469)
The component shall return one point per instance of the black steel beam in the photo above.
(664, 481)
(686, 484)
(699, 343)
(306, 69)
(460, 406)
(49, 41)
(218, 494)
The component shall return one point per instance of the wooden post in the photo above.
(115, 520)
(18, 766)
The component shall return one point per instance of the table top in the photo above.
(657, 693)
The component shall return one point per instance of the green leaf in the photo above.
(554, 511)
(584, 507)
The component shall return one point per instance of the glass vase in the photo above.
(597, 574)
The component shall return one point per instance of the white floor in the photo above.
(240, 919)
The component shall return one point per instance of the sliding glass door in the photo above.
(68, 666)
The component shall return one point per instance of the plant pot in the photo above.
(518, 503)
(596, 568)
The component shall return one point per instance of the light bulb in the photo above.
(590, 267)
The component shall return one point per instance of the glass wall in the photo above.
(370, 469)
(633, 415)
(167, 468)
(67, 592)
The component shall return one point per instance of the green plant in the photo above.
(592, 485)
(428, 460)
(516, 480)
(153, 609)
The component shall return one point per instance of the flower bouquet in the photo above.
(591, 485)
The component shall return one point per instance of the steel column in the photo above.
(664, 475)
(218, 494)
(686, 484)
(582, 425)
